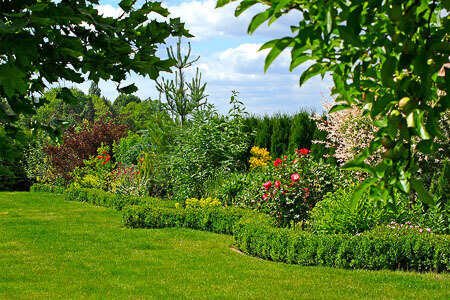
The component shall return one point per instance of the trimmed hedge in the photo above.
(256, 234)
(215, 219)
(380, 248)
(99, 197)
(40, 187)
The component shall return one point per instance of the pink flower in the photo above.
(277, 162)
(265, 196)
(295, 177)
(267, 185)
(277, 184)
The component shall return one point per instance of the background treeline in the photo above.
(283, 133)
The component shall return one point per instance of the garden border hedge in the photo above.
(255, 234)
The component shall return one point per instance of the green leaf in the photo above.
(12, 79)
(427, 146)
(243, 6)
(329, 21)
(37, 7)
(126, 5)
(349, 37)
(311, 72)
(221, 3)
(423, 194)
(388, 70)
(129, 89)
(339, 107)
(66, 95)
(258, 20)
(359, 190)
(277, 48)
(295, 62)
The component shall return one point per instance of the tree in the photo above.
(182, 98)
(123, 100)
(94, 89)
(43, 42)
(384, 57)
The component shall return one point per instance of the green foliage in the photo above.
(209, 143)
(123, 100)
(215, 219)
(333, 214)
(34, 54)
(182, 98)
(381, 248)
(388, 58)
(130, 148)
(202, 202)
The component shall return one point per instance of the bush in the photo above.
(47, 188)
(215, 219)
(381, 248)
(80, 145)
(333, 214)
(129, 149)
(207, 144)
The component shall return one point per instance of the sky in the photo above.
(229, 60)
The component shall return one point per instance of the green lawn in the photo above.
(55, 248)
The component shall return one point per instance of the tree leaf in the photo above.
(359, 190)
(339, 107)
(129, 89)
(243, 6)
(387, 70)
(423, 194)
(12, 79)
(126, 5)
(277, 48)
(311, 72)
(66, 95)
(258, 20)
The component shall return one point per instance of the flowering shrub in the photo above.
(79, 146)
(96, 172)
(408, 227)
(202, 202)
(287, 195)
(260, 157)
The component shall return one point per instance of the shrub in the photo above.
(380, 248)
(129, 149)
(207, 144)
(80, 145)
(202, 202)
(215, 219)
(41, 187)
(333, 213)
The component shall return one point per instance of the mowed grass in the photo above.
(54, 248)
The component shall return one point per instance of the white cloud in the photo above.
(206, 22)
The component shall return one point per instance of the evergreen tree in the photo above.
(89, 110)
(182, 98)
(302, 131)
(94, 89)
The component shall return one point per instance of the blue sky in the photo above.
(229, 60)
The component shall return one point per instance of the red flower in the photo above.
(104, 163)
(104, 152)
(295, 177)
(265, 196)
(303, 151)
(267, 185)
(277, 162)
(285, 157)
(277, 183)
(120, 163)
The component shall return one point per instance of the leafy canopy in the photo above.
(385, 57)
(43, 42)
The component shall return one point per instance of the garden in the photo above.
(132, 197)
